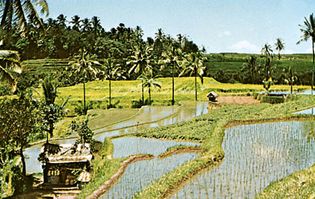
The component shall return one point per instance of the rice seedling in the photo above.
(255, 156)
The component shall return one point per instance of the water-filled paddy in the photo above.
(147, 117)
(126, 146)
(255, 156)
(140, 174)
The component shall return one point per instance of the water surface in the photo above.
(255, 156)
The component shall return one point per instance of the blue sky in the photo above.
(219, 25)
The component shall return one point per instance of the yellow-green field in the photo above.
(123, 92)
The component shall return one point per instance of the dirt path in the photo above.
(242, 100)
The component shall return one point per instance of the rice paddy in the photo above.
(255, 156)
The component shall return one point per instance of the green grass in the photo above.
(209, 130)
(103, 168)
(98, 118)
(298, 185)
(124, 92)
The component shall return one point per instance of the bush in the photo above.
(272, 99)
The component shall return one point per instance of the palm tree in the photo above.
(10, 66)
(61, 21)
(86, 68)
(19, 10)
(290, 77)
(172, 57)
(149, 81)
(251, 66)
(76, 22)
(279, 46)
(308, 32)
(86, 25)
(141, 62)
(96, 26)
(267, 50)
(112, 72)
(194, 65)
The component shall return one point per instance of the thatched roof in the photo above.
(69, 153)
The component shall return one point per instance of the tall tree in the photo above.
(141, 62)
(19, 119)
(266, 50)
(85, 68)
(19, 10)
(149, 81)
(194, 65)
(252, 68)
(308, 32)
(172, 57)
(112, 71)
(279, 46)
(51, 111)
(76, 23)
(10, 66)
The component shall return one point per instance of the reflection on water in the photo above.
(126, 146)
(148, 117)
(140, 174)
(255, 156)
(310, 111)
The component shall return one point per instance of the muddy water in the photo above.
(148, 117)
(255, 156)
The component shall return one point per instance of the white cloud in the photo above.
(245, 47)
(225, 34)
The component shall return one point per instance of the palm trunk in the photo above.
(313, 67)
(149, 95)
(51, 129)
(279, 56)
(23, 162)
(142, 92)
(196, 97)
(109, 93)
(84, 102)
(173, 87)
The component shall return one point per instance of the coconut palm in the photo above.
(10, 66)
(19, 10)
(194, 65)
(141, 62)
(76, 22)
(308, 32)
(112, 72)
(172, 57)
(267, 50)
(279, 46)
(252, 67)
(290, 78)
(149, 81)
(86, 68)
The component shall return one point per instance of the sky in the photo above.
(218, 25)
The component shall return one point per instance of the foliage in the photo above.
(10, 67)
(84, 68)
(148, 81)
(194, 65)
(308, 32)
(51, 112)
(18, 127)
(83, 131)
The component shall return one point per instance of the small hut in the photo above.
(67, 167)
(212, 96)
